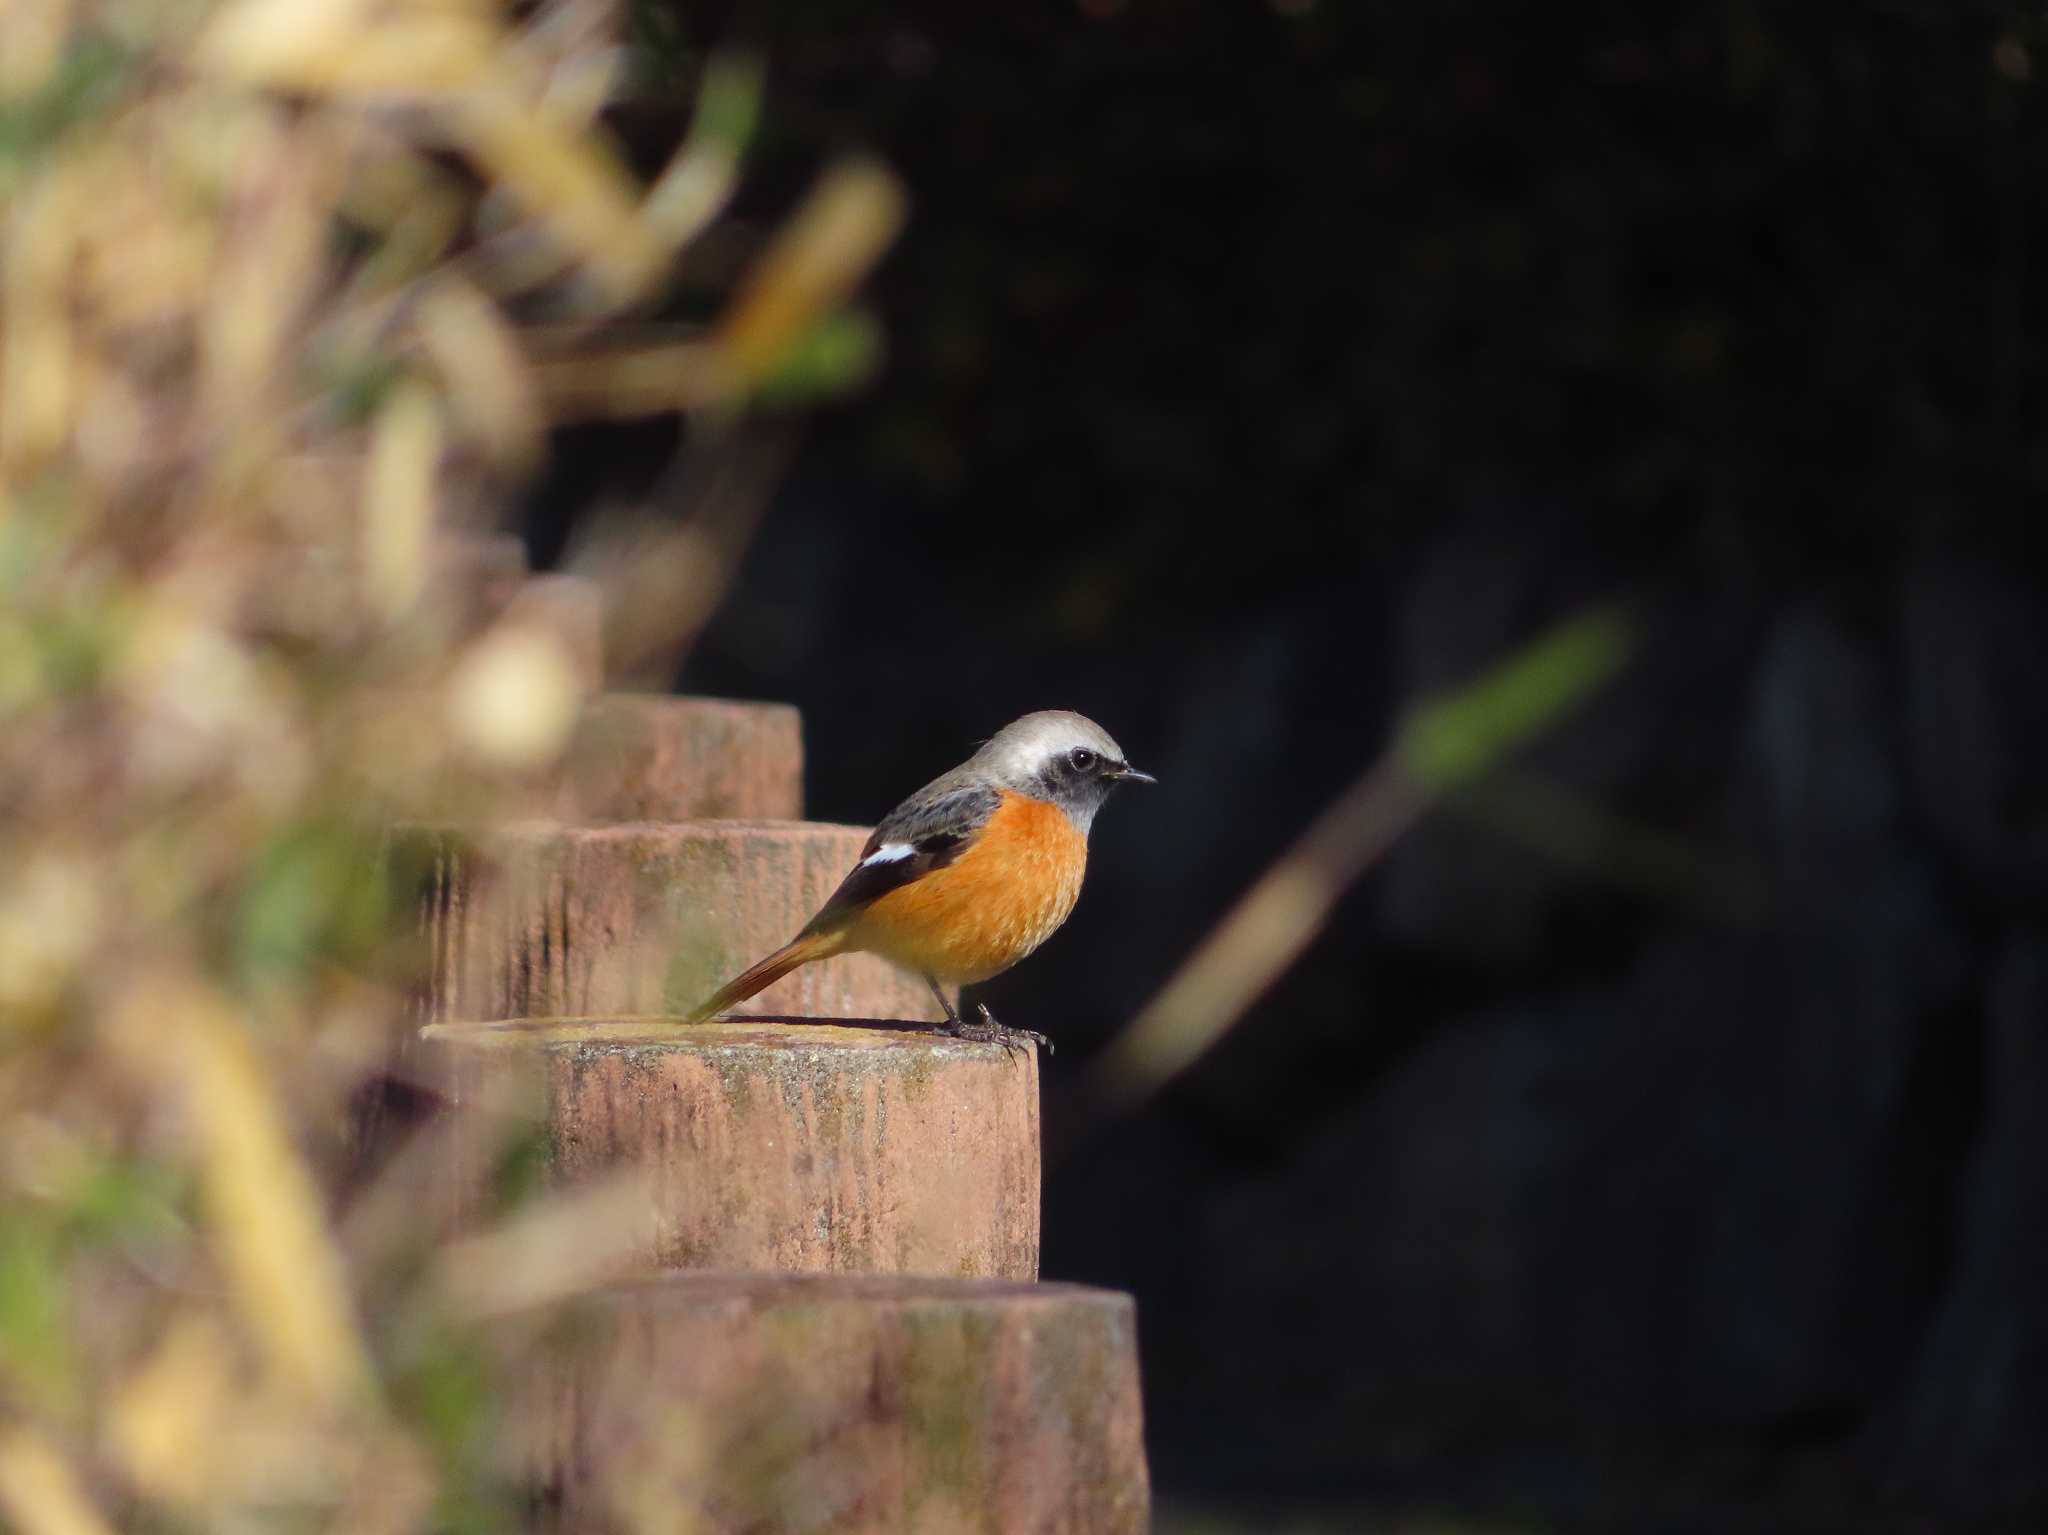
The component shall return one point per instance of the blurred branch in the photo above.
(813, 265)
(560, 1248)
(1445, 744)
(40, 1493)
(699, 182)
(582, 191)
(291, 294)
(265, 1213)
(667, 578)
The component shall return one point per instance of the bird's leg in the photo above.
(986, 1030)
(952, 1018)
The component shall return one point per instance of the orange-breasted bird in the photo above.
(972, 872)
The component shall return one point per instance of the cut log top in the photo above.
(898, 1292)
(784, 1047)
(785, 1039)
(770, 1144)
(542, 829)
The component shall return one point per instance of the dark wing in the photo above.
(935, 825)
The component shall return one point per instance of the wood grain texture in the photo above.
(552, 921)
(763, 1145)
(834, 1405)
(651, 757)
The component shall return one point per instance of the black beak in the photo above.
(1128, 774)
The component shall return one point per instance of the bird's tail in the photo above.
(764, 973)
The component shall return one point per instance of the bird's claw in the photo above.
(987, 1031)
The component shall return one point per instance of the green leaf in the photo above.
(1450, 741)
(521, 1164)
(86, 82)
(729, 100)
(72, 647)
(34, 1326)
(449, 1390)
(356, 383)
(317, 890)
(121, 1201)
(841, 352)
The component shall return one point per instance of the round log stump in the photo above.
(652, 757)
(729, 1403)
(550, 921)
(768, 1144)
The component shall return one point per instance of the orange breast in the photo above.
(994, 904)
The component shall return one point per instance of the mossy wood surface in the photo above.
(771, 1144)
(758, 1403)
(648, 757)
(549, 921)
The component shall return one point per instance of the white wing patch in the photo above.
(888, 852)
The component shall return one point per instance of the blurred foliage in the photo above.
(287, 292)
(1448, 742)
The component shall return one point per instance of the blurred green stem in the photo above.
(1445, 744)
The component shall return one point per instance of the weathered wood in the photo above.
(548, 921)
(770, 1144)
(649, 757)
(760, 1403)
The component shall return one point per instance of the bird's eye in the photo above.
(1082, 759)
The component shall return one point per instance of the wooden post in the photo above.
(550, 921)
(837, 1215)
(770, 1144)
(650, 757)
(758, 1403)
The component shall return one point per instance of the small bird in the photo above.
(972, 872)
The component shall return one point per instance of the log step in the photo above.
(737, 1403)
(548, 921)
(650, 757)
(771, 1144)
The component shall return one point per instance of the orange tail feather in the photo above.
(764, 973)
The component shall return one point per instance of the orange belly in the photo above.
(991, 906)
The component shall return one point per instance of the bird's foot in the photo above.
(986, 1031)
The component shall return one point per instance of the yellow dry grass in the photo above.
(291, 292)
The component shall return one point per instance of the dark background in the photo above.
(1655, 1140)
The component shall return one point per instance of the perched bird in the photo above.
(972, 872)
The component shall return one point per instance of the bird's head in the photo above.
(1060, 756)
